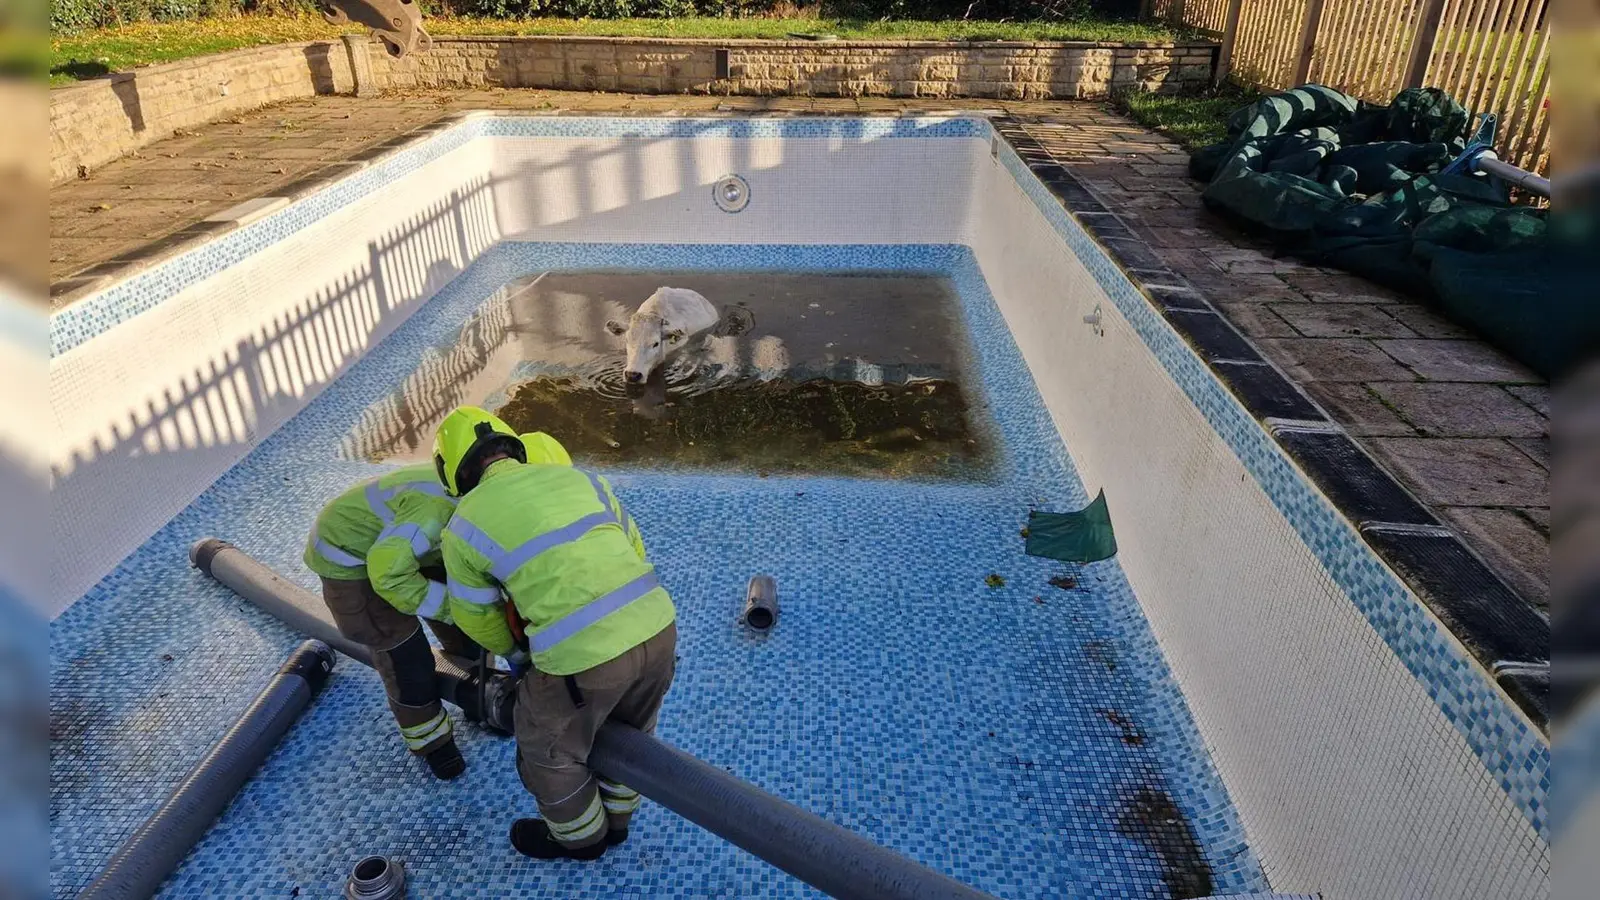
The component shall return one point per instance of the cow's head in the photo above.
(649, 339)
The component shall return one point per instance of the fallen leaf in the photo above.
(1065, 582)
(995, 581)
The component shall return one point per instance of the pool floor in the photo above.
(1024, 738)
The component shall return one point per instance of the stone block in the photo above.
(1461, 410)
(1458, 361)
(1466, 472)
(1333, 359)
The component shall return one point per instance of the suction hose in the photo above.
(827, 857)
(147, 857)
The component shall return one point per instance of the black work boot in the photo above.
(445, 760)
(532, 838)
(616, 836)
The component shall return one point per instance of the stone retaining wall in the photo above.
(1007, 70)
(97, 121)
(94, 122)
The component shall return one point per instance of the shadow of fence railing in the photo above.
(162, 450)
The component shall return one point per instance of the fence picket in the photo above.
(1490, 55)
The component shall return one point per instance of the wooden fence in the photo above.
(1490, 55)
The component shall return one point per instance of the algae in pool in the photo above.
(859, 374)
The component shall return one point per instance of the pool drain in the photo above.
(376, 878)
(731, 193)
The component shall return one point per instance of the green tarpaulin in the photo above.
(1340, 182)
(1082, 536)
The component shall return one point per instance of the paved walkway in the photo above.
(1461, 425)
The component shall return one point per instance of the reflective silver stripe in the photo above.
(378, 497)
(507, 563)
(620, 807)
(503, 563)
(377, 501)
(419, 736)
(433, 602)
(591, 820)
(592, 612)
(335, 555)
(413, 535)
(600, 492)
(477, 596)
(618, 798)
(475, 538)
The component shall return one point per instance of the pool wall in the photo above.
(162, 382)
(1366, 752)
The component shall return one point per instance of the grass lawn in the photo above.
(1193, 121)
(97, 52)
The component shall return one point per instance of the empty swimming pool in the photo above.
(928, 347)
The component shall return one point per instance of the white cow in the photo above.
(662, 326)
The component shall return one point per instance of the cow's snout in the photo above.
(633, 377)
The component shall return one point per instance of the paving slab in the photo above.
(1334, 359)
(1341, 288)
(1426, 323)
(1342, 320)
(1362, 413)
(1535, 395)
(1465, 360)
(1512, 543)
(1466, 471)
(1447, 409)
(1257, 320)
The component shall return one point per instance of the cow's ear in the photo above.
(675, 335)
(615, 327)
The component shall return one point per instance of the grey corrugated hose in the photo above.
(812, 849)
(146, 858)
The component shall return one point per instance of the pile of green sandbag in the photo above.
(1341, 182)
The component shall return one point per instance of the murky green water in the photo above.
(848, 374)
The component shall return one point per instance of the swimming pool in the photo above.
(1244, 695)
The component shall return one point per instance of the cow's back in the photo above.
(684, 308)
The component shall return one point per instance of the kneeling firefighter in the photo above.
(376, 549)
(599, 630)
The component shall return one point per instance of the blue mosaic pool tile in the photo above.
(975, 729)
(1489, 722)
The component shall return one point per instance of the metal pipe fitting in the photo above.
(1517, 177)
(761, 603)
(376, 878)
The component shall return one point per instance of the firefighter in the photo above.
(373, 547)
(597, 633)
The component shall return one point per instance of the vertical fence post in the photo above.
(1308, 43)
(1422, 47)
(1147, 9)
(1230, 36)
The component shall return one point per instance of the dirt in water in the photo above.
(769, 427)
(1152, 819)
(845, 373)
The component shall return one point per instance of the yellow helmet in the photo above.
(465, 438)
(542, 448)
